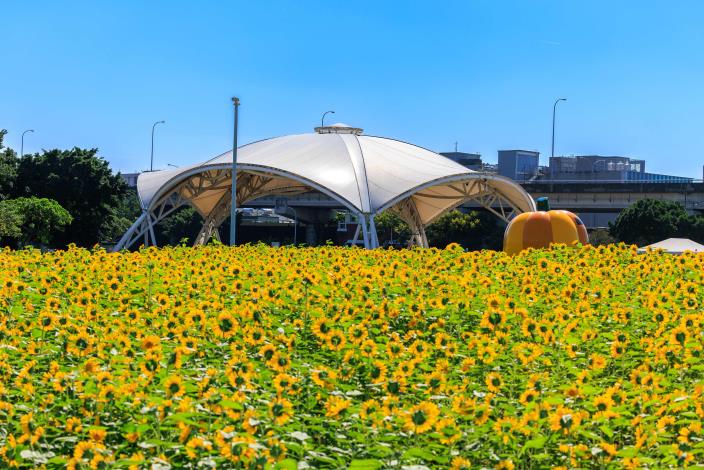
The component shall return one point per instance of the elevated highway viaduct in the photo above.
(596, 202)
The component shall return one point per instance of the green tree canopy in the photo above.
(82, 183)
(8, 168)
(649, 221)
(474, 230)
(10, 222)
(390, 228)
(37, 220)
(184, 223)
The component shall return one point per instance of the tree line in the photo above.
(58, 197)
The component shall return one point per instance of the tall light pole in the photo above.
(322, 119)
(151, 164)
(22, 144)
(552, 152)
(233, 199)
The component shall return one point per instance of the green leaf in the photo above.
(380, 451)
(287, 464)
(182, 418)
(367, 464)
(424, 455)
(537, 443)
(628, 452)
(233, 405)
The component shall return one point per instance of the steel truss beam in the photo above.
(250, 185)
(481, 192)
(475, 190)
(407, 210)
(253, 185)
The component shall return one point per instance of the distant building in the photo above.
(130, 179)
(473, 161)
(492, 168)
(519, 165)
(605, 168)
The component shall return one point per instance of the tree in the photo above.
(474, 230)
(185, 222)
(40, 219)
(391, 228)
(601, 236)
(8, 168)
(121, 217)
(10, 221)
(649, 221)
(81, 182)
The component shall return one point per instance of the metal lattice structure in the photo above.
(365, 175)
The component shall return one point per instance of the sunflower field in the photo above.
(292, 358)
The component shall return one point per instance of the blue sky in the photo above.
(482, 73)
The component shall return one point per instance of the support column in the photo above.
(365, 231)
(216, 217)
(128, 234)
(150, 225)
(356, 234)
(407, 210)
(372, 230)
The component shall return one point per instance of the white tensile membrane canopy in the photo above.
(364, 174)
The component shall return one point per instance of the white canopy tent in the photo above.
(365, 174)
(674, 246)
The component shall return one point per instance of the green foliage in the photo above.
(10, 221)
(40, 219)
(600, 236)
(390, 228)
(121, 217)
(81, 182)
(474, 230)
(184, 223)
(649, 221)
(8, 167)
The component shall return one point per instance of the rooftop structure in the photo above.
(605, 168)
(473, 161)
(519, 165)
(130, 179)
(364, 174)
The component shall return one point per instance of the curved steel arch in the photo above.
(248, 167)
(487, 195)
(167, 199)
(460, 177)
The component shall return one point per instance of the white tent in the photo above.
(365, 174)
(675, 246)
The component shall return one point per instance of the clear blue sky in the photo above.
(482, 73)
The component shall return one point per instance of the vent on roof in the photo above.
(338, 128)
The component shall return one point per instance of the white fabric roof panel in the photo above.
(675, 246)
(366, 173)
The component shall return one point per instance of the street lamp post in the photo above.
(322, 119)
(151, 164)
(233, 199)
(22, 144)
(552, 152)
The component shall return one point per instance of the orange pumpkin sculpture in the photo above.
(540, 229)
